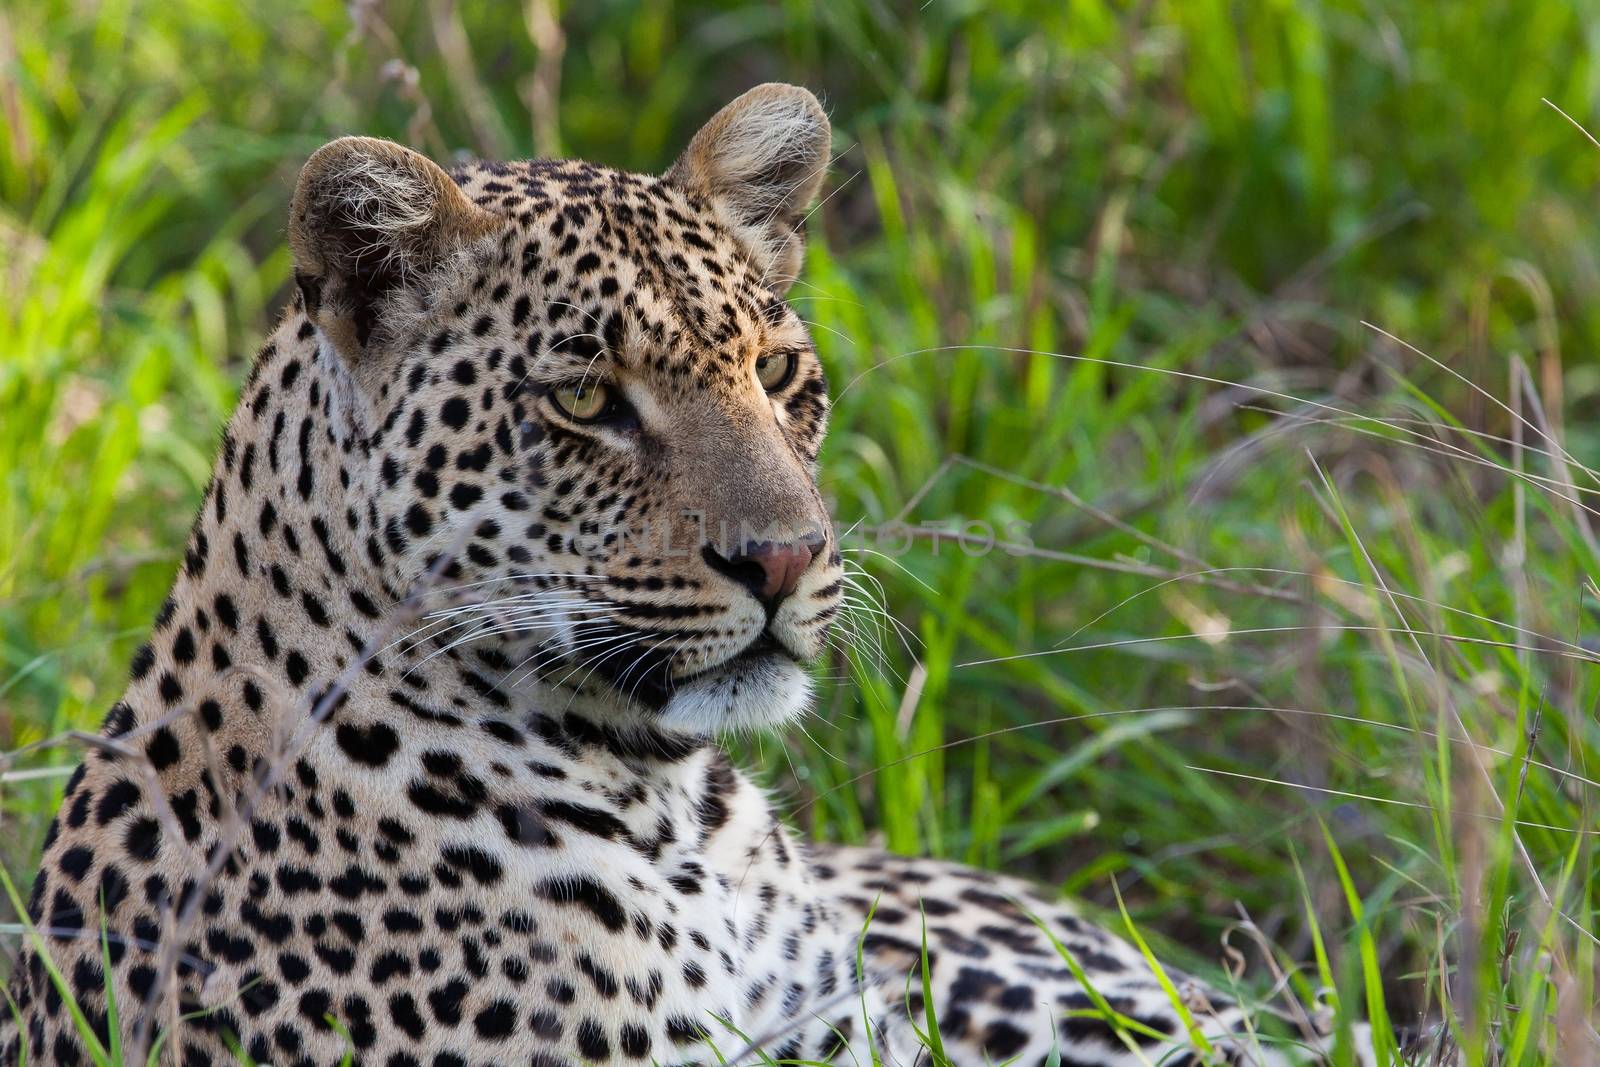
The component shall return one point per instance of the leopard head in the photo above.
(588, 419)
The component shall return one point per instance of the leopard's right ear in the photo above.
(369, 218)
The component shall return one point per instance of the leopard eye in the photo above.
(775, 369)
(583, 401)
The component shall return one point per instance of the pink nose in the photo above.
(771, 570)
(781, 567)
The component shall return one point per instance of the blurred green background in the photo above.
(1094, 273)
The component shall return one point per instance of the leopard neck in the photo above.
(274, 596)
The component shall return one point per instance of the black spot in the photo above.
(525, 826)
(1002, 1040)
(635, 1040)
(113, 888)
(143, 839)
(604, 982)
(545, 1023)
(458, 803)
(141, 979)
(163, 749)
(314, 609)
(314, 1007)
(588, 894)
(75, 863)
(65, 914)
(496, 1022)
(372, 746)
(400, 921)
(293, 968)
(119, 720)
(121, 796)
(267, 637)
(685, 1031)
(593, 821)
(455, 412)
(483, 867)
(295, 665)
(403, 1010)
(363, 603)
(389, 965)
(445, 1002)
(144, 658)
(592, 1041)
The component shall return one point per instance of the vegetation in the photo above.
(1289, 637)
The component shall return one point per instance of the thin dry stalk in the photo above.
(541, 88)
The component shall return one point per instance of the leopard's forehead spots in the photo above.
(626, 267)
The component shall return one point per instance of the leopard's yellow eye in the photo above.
(582, 401)
(775, 369)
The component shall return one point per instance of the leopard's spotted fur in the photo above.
(506, 838)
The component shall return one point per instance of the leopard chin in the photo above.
(756, 690)
(761, 687)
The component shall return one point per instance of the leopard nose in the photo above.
(769, 569)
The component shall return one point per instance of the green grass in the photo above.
(1313, 612)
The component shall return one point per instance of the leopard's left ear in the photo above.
(762, 159)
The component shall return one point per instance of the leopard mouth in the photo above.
(646, 678)
(762, 647)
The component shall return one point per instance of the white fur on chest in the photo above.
(658, 891)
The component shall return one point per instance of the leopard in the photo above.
(423, 764)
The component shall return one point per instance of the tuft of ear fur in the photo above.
(761, 159)
(370, 217)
